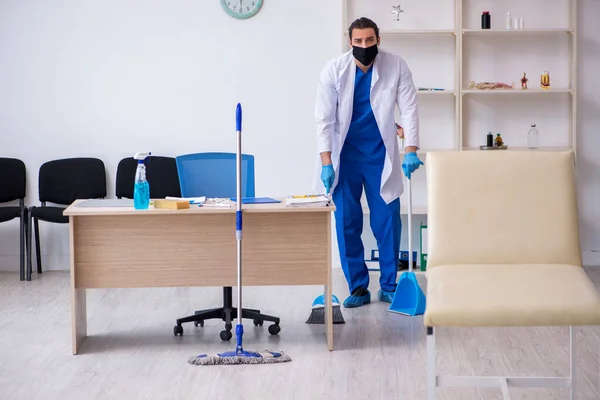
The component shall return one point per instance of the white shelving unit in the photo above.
(445, 47)
(432, 50)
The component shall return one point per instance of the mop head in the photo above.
(240, 357)
(317, 315)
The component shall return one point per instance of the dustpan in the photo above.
(409, 298)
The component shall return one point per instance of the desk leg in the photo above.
(78, 298)
(79, 318)
(329, 291)
(328, 316)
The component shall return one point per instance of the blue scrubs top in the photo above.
(363, 143)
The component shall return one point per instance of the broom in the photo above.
(317, 315)
(239, 356)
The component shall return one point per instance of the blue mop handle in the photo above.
(238, 127)
(238, 162)
(239, 330)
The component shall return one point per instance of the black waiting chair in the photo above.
(62, 182)
(13, 187)
(161, 173)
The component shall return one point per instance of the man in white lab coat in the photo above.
(356, 139)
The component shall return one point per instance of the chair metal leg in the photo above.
(29, 244)
(204, 312)
(573, 361)
(251, 314)
(501, 382)
(38, 250)
(431, 368)
(215, 313)
(228, 313)
(22, 239)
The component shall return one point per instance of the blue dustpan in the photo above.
(409, 298)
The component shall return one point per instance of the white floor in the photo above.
(132, 354)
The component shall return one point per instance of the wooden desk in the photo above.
(120, 247)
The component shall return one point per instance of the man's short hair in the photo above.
(363, 23)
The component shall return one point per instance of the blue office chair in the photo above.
(220, 181)
(214, 175)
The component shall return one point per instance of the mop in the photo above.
(409, 299)
(239, 356)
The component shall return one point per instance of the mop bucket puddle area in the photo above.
(409, 298)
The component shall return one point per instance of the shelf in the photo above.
(416, 210)
(444, 45)
(521, 149)
(416, 32)
(413, 32)
(423, 152)
(373, 265)
(513, 31)
(436, 92)
(516, 91)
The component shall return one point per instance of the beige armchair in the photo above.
(503, 244)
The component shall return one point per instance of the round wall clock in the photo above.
(241, 9)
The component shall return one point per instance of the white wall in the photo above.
(109, 78)
(113, 77)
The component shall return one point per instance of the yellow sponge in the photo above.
(171, 204)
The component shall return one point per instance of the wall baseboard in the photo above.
(9, 263)
(591, 258)
(56, 262)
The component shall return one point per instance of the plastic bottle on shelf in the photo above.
(486, 20)
(509, 23)
(141, 188)
(533, 138)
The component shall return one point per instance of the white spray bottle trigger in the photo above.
(141, 156)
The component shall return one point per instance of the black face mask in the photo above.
(365, 55)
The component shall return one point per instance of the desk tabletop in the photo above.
(75, 210)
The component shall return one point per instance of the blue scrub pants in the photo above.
(385, 224)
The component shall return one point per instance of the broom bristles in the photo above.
(317, 316)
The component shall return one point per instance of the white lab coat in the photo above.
(392, 84)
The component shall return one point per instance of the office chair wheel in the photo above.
(198, 323)
(274, 329)
(226, 335)
(178, 330)
(258, 322)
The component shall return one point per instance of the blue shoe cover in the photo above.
(384, 296)
(357, 301)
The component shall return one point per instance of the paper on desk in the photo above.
(192, 200)
(308, 201)
(218, 202)
(106, 203)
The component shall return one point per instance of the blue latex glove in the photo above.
(410, 164)
(327, 176)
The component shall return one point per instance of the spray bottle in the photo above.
(141, 188)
